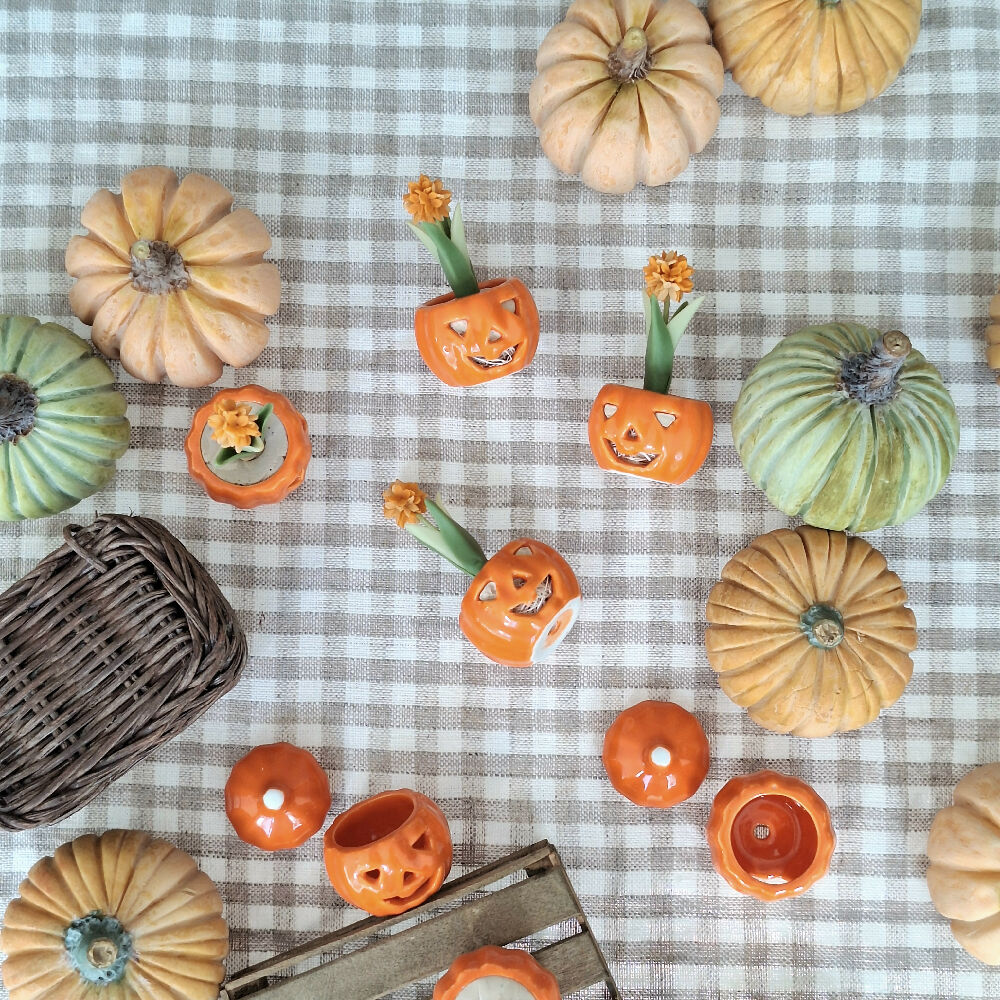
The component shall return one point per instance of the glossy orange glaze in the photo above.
(505, 963)
(656, 754)
(490, 331)
(626, 435)
(301, 785)
(287, 478)
(500, 613)
(388, 853)
(770, 835)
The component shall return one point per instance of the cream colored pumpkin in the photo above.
(172, 281)
(122, 917)
(964, 873)
(809, 631)
(626, 91)
(820, 57)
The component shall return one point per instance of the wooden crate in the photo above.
(542, 899)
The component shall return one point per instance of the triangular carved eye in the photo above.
(610, 409)
(492, 337)
(489, 592)
(510, 305)
(524, 550)
(459, 326)
(666, 419)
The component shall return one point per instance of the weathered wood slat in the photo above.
(577, 963)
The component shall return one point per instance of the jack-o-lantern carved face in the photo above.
(478, 338)
(649, 434)
(521, 604)
(389, 853)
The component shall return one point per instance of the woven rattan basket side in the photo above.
(110, 646)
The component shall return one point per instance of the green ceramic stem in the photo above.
(442, 533)
(18, 405)
(663, 334)
(823, 626)
(98, 948)
(446, 241)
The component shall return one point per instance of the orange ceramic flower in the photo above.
(668, 276)
(492, 969)
(770, 835)
(521, 604)
(233, 425)
(656, 754)
(267, 477)
(277, 796)
(404, 503)
(478, 338)
(389, 853)
(427, 200)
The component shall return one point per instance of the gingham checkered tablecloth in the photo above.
(316, 114)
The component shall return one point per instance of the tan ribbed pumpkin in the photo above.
(626, 91)
(809, 631)
(964, 874)
(820, 57)
(173, 282)
(122, 916)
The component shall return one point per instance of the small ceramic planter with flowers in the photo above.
(248, 447)
(477, 332)
(493, 973)
(521, 603)
(648, 432)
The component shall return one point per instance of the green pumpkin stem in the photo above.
(663, 334)
(446, 241)
(872, 377)
(442, 533)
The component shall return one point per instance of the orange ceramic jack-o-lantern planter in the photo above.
(389, 853)
(520, 605)
(648, 432)
(277, 796)
(656, 754)
(478, 332)
(493, 973)
(770, 835)
(248, 447)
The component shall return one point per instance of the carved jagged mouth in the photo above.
(542, 593)
(642, 458)
(501, 359)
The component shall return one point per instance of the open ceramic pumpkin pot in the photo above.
(521, 603)
(479, 331)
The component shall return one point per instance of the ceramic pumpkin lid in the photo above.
(124, 916)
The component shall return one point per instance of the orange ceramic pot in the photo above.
(277, 796)
(267, 478)
(656, 754)
(649, 434)
(389, 853)
(477, 338)
(493, 973)
(770, 835)
(521, 604)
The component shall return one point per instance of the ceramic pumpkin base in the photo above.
(478, 338)
(649, 434)
(770, 835)
(493, 973)
(521, 604)
(270, 476)
(389, 853)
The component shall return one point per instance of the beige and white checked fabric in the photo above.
(316, 114)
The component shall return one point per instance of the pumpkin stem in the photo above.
(157, 267)
(629, 60)
(18, 406)
(98, 948)
(823, 626)
(442, 533)
(872, 377)
(663, 334)
(446, 241)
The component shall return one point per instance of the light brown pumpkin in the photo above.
(964, 873)
(626, 91)
(819, 57)
(993, 336)
(172, 281)
(809, 631)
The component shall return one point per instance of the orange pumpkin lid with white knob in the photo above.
(493, 973)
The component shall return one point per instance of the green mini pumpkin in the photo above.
(62, 422)
(846, 428)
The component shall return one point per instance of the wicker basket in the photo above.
(110, 646)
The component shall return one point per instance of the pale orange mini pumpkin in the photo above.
(626, 91)
(819, 57)
(993, 336)
(172, 281)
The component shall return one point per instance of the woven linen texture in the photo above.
(315, 115)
